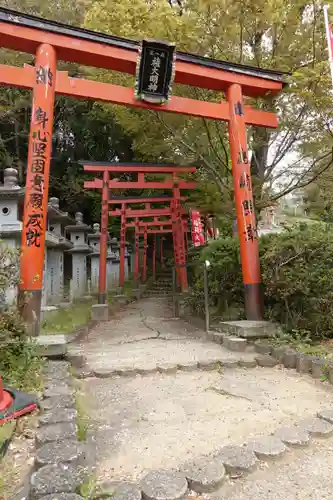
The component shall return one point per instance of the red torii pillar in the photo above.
(122, 246)
(37, 187)
(247, 228)
(178, 238)
(137, 250)
(154, 256)
(102, 288)
(145, 248)
(161, 252)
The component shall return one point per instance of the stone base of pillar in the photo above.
(100, 312)
(65, 305)
(136, 292)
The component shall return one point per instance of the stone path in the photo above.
(159, 397)
(145, 336)
(303, 475)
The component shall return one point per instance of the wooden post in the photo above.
(247, 229)
(37, 188)
(122, 245)
(103, 242)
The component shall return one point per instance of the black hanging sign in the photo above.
(155, 71)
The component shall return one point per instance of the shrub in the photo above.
(298, 278)
(18, 364)
(297, 274)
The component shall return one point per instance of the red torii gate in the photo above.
(147, 201)
(177, 228)
(109, 169)
(145, 228)
(49, 41)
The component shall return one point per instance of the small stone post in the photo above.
(56, 244)
(110, 257)
(115, 247)
(94, 242)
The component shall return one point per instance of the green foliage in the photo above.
(19, 365)
(297, 274)
(87, 488)
(66, 320)
(82, 421)
(273, 33)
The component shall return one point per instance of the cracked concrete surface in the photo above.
(143, 336)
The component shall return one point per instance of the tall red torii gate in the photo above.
(50, 41)
(108, 183)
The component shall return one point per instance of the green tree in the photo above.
(82, 129)
(275, 34)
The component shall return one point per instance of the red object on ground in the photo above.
(6, 399)
(14, 404)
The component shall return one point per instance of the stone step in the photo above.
(232, 343)
(160, 289)
(151, 294)
(247, 329)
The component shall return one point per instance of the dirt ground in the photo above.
(16, 464)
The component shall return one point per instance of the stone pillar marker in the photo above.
(94, 242)
(110, 257)
(115, 247)
(78, 236)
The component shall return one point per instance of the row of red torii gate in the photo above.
(166, 216)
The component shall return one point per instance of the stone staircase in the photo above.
(244, 335)
(162, 286)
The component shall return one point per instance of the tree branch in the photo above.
(206, 165)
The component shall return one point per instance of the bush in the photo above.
(298, 277)
(18, 364)
(297, 274)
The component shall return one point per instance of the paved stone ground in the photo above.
(162, 420)
(304, 475)
(145, 335)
